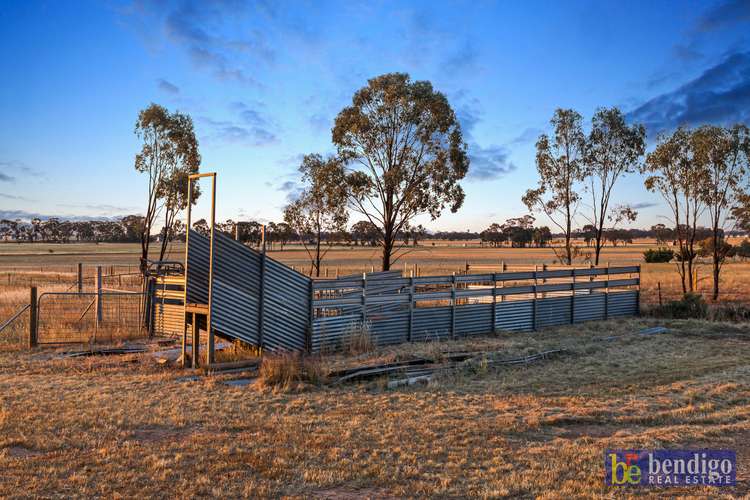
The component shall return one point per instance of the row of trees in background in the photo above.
(53, 230)
(572, 164)
(697, 171)
(518, 233)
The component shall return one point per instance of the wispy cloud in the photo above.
(720, 95)
(489, 163)
(14, 197)
(216, 36)
(19, 168)
(168, 87)
(529, 134)
(25, 215)
(644, 204)
(486, 162)
(250, 127)
(724, 14)
(102, 208)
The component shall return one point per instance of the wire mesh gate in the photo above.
(81, 317)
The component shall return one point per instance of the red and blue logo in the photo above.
(670, 468)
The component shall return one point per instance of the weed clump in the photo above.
(290, 371)
(358, 340)
(691, 306)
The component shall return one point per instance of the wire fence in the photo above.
(14, 330)
(87, 317)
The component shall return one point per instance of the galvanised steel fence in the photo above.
(394, 309)
(265, 303)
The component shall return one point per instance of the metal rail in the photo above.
(12, 318)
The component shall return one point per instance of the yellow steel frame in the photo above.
(195, 309)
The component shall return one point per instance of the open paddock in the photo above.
(126, 426)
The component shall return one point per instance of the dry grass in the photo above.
(25, 264)
(357, 339)
(129, 427)
(290, 372)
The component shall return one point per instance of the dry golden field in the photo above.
(50, 264)
(129, 427)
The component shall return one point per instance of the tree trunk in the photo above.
(317, 256)
(717, 270)
(717, 257)
(387, 249)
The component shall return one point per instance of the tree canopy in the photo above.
(403, 152)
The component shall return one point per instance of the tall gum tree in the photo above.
(559, 162)
(722, 154)
(320, 210)
(403, 154)
(613, 149)
(673, 172)
(169, 153)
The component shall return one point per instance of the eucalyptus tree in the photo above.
(673, 172)
(320, 210)
(169, 153)
(403, 154)
(722, 155)
(613, 149)
(559, 162)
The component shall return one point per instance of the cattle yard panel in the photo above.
(263, 302)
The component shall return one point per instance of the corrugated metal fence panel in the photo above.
(589, 307)
(553, 311)
(473, 319)
(168, 319)
(514, 316)
(286, 312)
(328, 333)
(198, 268)
(388, 323)
(431, 323)
(622, 303)
(236, 293)
(234, 300)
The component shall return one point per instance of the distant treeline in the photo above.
(518, 232)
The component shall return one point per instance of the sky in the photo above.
(264, 81)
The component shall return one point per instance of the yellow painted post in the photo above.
(210, 349)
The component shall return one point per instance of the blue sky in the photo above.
(264, 81)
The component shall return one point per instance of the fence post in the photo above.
(573, 299)
(364, 299)
(606, 293)
(196, 348)
(453, 306)
(310, 318)
(638, 293)
(261, 298)
(98, 297)
(494, 302)
(534, 312)
(80, 277)
(33, 319)
(411, 308)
